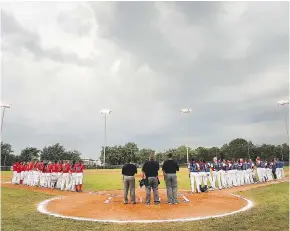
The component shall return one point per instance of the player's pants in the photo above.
(260, 174)
(58, 181)
(216, 176)
(203, 178)
(250, 176)
(13, 181)
(235, 177)
(47, 183)
(73, 181)
(246, 176)
(224, 178)
(194, 176)
(64, 182)
(35, 178)
(209, 176)
(53, 179)
(230, 176)
(79, 178)
(25, 177)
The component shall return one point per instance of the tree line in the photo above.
(48, 153)
(237, 148)
(121, 154)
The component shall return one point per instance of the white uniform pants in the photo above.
(216, 176)
(260, 174)
(250, 176)
(230, 178)
(13, 181)
(73, 181)
(79, 178)
(194, 177)
(224, 178)
(65, 181)
(59, 178)
(203, 178)
(47, 182)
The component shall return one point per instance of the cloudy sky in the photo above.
(63, 62)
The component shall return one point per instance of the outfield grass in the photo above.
(270, 212)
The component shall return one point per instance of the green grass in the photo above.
(270, 212)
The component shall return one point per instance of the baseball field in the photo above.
(20, 205)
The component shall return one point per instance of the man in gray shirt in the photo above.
(128, 172)
(169, 169)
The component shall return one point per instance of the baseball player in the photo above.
(18, 173)
(229, 174)
(260, 170)
(47, 172)
(216, 175)
(65, 177)
(80, 174)
(235, 172)
(14, 167)
(209, 176)
(194, 175)
(54, 173)
(59, 174)
(224, 174)
(203, 174)
(73, 186)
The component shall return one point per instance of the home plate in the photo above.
(108, 201)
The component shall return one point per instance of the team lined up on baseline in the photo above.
(59, 175)
(226, 174)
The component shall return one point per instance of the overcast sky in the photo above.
(63, 62)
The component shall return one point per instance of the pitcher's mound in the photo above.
(108, 207)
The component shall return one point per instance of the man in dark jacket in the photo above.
(169, 168)
(150, 172)
(128, 172)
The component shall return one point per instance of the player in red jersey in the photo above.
(54, 170)
(47, 172)
(14, 168)
(25, 174)
(65, 177)
(30, 173)
(73, 185)
(59, 174)
(80, 173)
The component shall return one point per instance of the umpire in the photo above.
(169, 168)
(128, 172)
(150, 171)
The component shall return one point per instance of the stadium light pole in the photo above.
(105, 112)
(186, 111)
(4, 106)
(283, 103)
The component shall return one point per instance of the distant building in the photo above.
(91, 162)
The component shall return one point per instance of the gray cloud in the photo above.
(18, 38)
(228, 61)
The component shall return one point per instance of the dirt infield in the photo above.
(107, 206)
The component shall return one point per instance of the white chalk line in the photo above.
(42, 208)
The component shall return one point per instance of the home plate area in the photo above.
(108, 206)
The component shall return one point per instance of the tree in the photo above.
(74, 155)
(7, 157)
(54, 152)
(29, 154)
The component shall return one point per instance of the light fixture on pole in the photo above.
(283, 103)
(4, 106)
(186, 111)
(105, 112)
